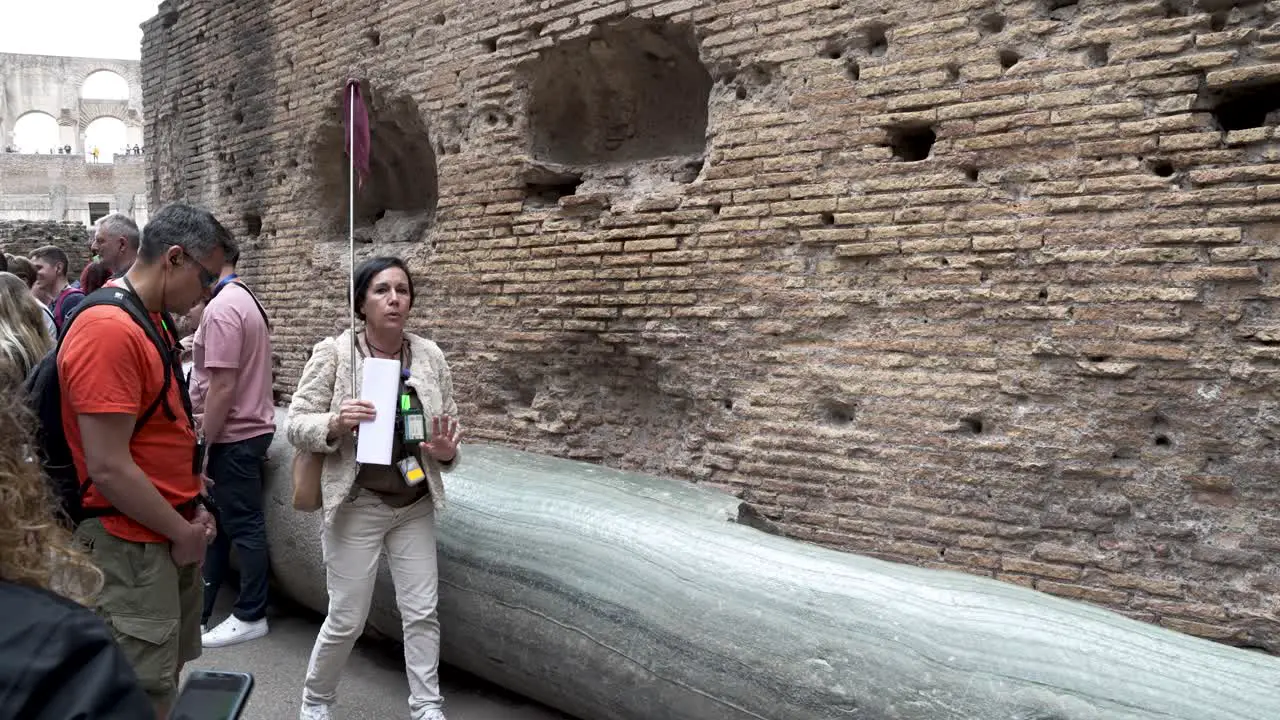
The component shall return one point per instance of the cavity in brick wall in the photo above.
(1039, 346)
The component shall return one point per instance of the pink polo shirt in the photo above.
(233, 335)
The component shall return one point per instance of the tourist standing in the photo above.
(23, 341)
(57, 659)
(51, 288)
(128, 422)
(231, 392)
(115, 242)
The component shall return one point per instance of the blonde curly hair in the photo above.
(35, 548)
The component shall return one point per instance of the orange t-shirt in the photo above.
(107, 365)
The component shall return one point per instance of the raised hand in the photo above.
(446, 434)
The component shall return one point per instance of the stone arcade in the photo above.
(976, 285)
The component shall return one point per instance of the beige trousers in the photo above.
(361, 529)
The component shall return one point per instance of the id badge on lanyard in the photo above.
(415, 422)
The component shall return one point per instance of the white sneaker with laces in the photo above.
(233, 630)
(314, 712)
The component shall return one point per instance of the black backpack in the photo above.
(44, 397)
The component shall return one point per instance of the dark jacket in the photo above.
(58, 662)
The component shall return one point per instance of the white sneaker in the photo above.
(314, 712)
(434, 714)
(234, 630)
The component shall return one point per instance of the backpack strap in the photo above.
(67, 292)
(129, 302)
(252, 296)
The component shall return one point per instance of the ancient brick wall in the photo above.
(20, 237)
(60, 187)
(969, 284)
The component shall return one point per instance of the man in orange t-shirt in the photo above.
(149, 534)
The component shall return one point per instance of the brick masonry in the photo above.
(1046, 352)
(20, 237)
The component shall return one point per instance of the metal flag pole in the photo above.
(351, 224)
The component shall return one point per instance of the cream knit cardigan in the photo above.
(326, 382)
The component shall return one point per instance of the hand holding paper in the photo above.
(380, 385)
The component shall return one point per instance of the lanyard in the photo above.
(223, 283)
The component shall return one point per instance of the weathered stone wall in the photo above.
(18, 237)
(961, 283)
(60, 187)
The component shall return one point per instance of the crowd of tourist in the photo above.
(138, 468)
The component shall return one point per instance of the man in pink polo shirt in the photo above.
(231, 394)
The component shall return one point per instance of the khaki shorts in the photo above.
(152, 606)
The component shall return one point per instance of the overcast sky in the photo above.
(85, 28)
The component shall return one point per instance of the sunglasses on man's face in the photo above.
(207, 279)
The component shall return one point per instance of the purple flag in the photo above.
(357, 129)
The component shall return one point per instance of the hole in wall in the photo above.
(828, 218)
(991, 23)
(831, 51)
(1043, 294)
(1009, 58)
(741, 92)
(439, 19)
(1060, 10)
(1246, 106)
(912, 143)
(545, 187)
(169, 19)
(973, 424)
(253, 223)
(727, 403)
(877, 39)
(971, 173)
(1163, 441)
(853, 70)
(953, 71)
(632, 90)
(1098, 55)
(536, 28)
(1218, 20)
(1160, 167)
(237, 117)
(374, 37)
(839, 412)
(490, 45)
(402, 180)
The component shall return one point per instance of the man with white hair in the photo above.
(115, 242)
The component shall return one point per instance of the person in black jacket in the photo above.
(57, 658)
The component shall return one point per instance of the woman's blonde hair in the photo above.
(35, 548)
(22, 335)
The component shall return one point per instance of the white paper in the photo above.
(380, 385)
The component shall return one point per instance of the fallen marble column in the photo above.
(612, 595)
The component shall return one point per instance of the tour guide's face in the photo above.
(187, 280)
(387, 302)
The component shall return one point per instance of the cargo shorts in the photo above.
(151, 605)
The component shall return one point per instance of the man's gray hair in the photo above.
(191, 228)
(121, 225)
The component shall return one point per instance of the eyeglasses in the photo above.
(207, 279)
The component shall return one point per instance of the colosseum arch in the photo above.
(35, 131)
(104, 85)
(75, 91)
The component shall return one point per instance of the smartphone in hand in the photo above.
(213, 695)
